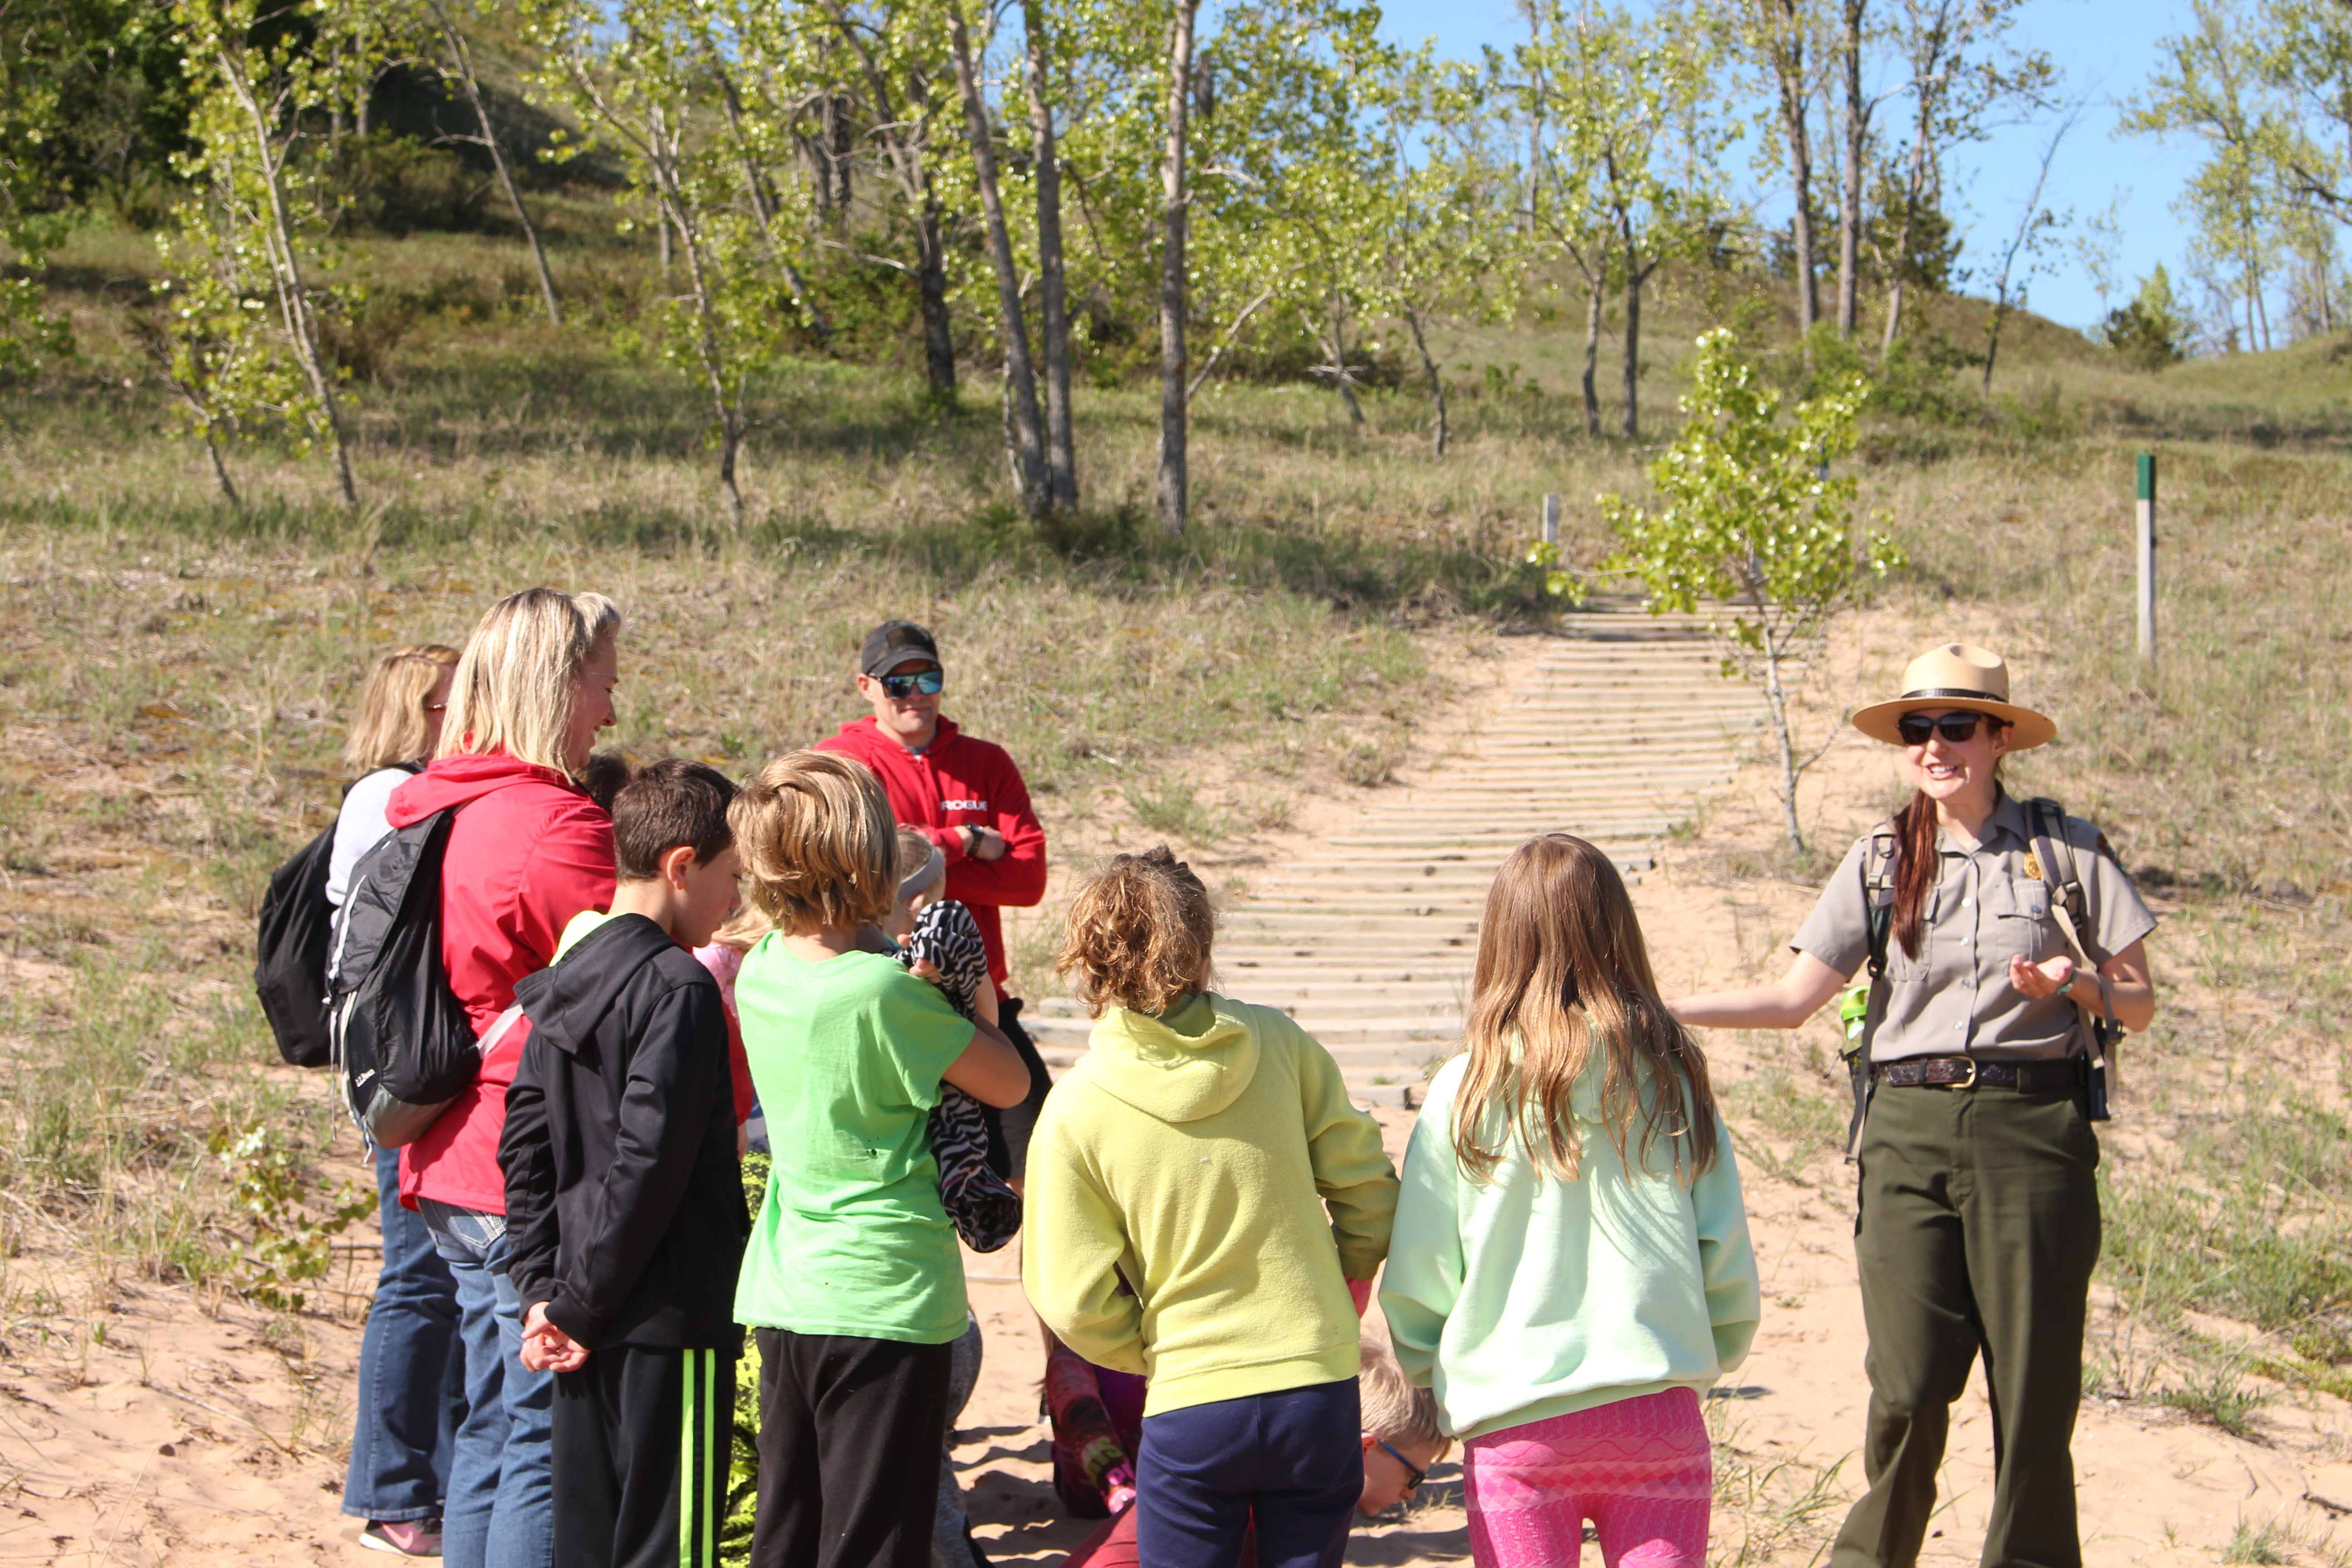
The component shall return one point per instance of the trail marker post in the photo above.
(1551, 520)
(2147, 556)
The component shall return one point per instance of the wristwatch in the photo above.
(970, 837)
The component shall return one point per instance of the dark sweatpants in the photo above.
(849, 1450)
(1978, 1226)
(1293, 1460)
(639, 1447)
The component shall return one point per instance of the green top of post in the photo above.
(2146, 465)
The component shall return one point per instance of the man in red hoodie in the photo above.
(968, 797)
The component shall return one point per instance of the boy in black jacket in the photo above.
(625, 1198)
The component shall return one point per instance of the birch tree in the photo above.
(1960, 68)
(1752, 529)
(1632, 100)
(638, 73)
(261, 74)
(1026, 435)
(456, 62)
(1175, 392)
(1038, 60)
(1778, 38)
(1449, 250)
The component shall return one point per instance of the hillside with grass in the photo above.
(175, 672)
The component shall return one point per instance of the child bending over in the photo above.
(1178, 1182)
(1401, 1439)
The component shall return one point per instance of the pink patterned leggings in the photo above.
(1640, 1470)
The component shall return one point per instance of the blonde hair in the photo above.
(519, 678)
(1139, 932)
(1563, 977)
(817, 841)
(1393, 1409)
(392, 726)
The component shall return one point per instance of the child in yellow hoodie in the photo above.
(1179, 1180)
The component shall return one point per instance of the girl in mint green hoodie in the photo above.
(1570, 1265)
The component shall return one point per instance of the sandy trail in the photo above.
(149, 1424)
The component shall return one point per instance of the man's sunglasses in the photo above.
(927, 681)
(1413, 1475)
(1959, 729)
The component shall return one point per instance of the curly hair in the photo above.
(817, 841)
(1139, 934)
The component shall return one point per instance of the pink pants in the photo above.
(1639, 1470)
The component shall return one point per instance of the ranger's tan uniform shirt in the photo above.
(1989, 905)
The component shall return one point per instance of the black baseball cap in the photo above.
(892, 643)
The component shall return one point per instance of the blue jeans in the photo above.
(500, 1511)
(411, 1391)
(1293, 1460)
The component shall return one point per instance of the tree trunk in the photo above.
(1335, 345)
(220, 468)
(301, 323)
(1061, 442)
(932, 284)
(827, 112)
(1777, 693)
(462, 59)
(1635, 277)
(1786, 53)
(1027, 444)
(1857, 129)
(1596, 282)
(898, 132)
(1901, 262)
(1437, 382)
(705, 288)
(1992, 338)
(1173, 476)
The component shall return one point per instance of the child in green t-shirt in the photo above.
(852, 1280)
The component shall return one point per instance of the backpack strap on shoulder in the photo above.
(1854, 1007)
(2053, 856)
(1878, 893)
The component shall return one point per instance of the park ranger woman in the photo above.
(2003, 944)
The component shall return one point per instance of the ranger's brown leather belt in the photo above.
(1968, 1072)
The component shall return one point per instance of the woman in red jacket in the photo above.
(527, 852)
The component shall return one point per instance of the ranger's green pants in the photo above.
(1979, 1223)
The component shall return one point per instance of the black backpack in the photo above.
(289, 953)
(400, 1038)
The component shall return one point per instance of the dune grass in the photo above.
(175, 673)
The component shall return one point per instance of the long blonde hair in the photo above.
(1563, 975)
(519, 678)
(818, 842)
(392, 726)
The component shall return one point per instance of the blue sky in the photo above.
(2106, 47)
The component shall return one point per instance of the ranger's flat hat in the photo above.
(1957, 675)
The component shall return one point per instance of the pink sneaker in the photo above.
(407, 1538)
